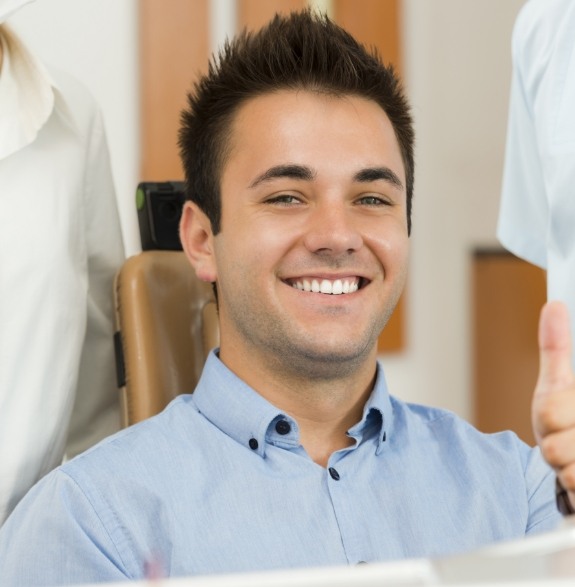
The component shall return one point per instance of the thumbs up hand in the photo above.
(553, 406)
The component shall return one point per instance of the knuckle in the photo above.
(551, 450)
(549, 412)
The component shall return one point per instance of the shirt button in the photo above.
(334, 474)
(253, 444)
(283, 427)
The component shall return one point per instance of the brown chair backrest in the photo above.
(166, 320)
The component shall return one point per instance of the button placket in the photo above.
(340, 481)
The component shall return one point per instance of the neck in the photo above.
(324, 425)
(325, 408)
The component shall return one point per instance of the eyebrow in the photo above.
(305, 173)
(290, 171)
(378, 173)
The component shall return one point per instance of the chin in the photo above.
(322, 362)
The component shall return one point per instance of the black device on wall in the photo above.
(159, 206)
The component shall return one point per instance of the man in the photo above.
(537, 216)
(60, 246)
(298, 155)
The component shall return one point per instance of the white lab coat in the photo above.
(537, 214)
(60, 245)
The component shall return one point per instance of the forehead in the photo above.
(304, 126)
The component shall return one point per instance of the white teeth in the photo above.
(336, 287)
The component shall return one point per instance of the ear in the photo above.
(197, 240)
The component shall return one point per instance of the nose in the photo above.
(332, 230)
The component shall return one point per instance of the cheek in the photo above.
(264, 244)
(241, 256)
(392, 246)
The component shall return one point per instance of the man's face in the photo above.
(312, 253)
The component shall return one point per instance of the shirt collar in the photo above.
(27, 95)
(9, 7)
(377, 413)
(244, 415)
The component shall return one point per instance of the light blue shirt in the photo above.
(219, 482)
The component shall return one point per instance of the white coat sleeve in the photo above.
(523, 215)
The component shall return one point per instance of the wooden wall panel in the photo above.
(508, 296)
(174, 47)
(253, 14)
(376, 23)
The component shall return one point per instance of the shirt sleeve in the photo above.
(523, 214)
(540, 481)
(55, 537)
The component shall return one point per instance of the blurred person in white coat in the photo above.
(60, 245)
(537, 214)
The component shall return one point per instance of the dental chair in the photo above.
(166, 324)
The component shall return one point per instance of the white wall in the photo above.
(457, 66)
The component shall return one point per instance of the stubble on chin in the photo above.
(294, 356)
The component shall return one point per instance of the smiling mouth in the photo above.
(333, 287)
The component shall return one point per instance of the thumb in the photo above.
(555, 371)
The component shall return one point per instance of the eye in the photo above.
(284, 200)
(371, 200)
